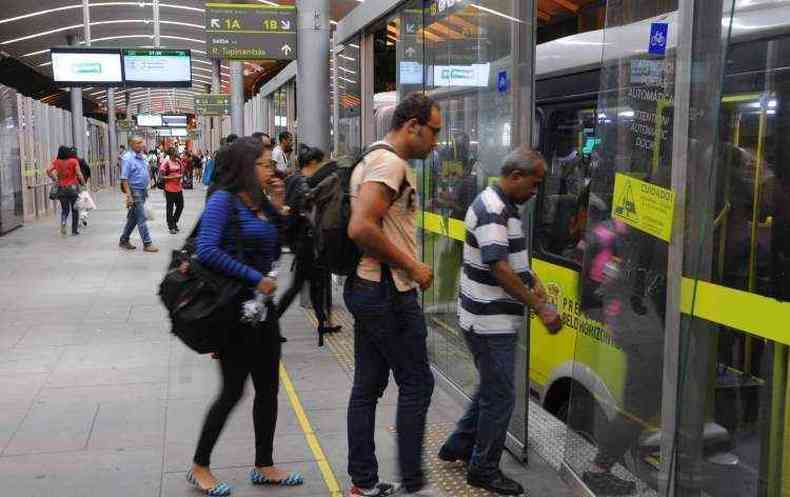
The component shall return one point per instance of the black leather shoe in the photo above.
(447, 455)
(498, 483)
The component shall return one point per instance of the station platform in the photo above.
(97, 398)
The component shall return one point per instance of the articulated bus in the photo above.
(578, 374)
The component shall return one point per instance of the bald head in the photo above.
(137, 144)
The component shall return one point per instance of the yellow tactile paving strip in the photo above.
(449, 477)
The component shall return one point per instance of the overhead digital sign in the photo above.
(77, 67)
(476, 75)
(149, 120)
(157, 68)
(174, 120)
(251, 31)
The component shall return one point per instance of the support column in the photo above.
(216, 89)
(237, 97)
(312, 80)
(112, 137)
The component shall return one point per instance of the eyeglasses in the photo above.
(265, 164)
(434, 130)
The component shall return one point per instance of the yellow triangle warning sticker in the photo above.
(625, 205)
(645, 206)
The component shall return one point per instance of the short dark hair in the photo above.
(285, 135)
(239, 170)
(231, 138)
(171, 152)
(415, 106)
(309, 154)
(523, 159)
(64, 152)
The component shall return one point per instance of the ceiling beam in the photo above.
(565, 4)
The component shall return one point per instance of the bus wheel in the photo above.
(580, 411)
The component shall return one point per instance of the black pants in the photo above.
(175, 206)
(256, 352)
(320, 289)
(68, 204)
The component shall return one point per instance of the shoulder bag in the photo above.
(202, 303)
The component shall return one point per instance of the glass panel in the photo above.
(615, 315)
(734, 440)
(349, 127)
(464, 47)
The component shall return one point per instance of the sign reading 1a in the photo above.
(251, 31)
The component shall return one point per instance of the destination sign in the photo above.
(212, 105)
(251, 31)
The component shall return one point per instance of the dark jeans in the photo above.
(135, 216)
(175, 206)
(68, 204)
(250, 351)
(482, 430)
(389, 335)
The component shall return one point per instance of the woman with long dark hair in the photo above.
(172, 171)
(65, 171)
(242, 215)
(307, 263)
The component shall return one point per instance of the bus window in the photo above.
(568, 146)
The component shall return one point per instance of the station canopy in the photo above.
(29, 29)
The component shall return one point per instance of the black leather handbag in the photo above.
(203, 304)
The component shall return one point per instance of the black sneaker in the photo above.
(449, 456)
(608, 484)
(173, 231)
(497, 483)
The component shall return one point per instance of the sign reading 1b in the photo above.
(251, 31)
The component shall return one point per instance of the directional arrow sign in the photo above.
(251, 31)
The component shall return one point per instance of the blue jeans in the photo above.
(135, 216)
(482, 430)
(389, 335)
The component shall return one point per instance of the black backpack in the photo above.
(332, 201)
(202, 303)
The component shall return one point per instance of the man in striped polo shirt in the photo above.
(496, 284)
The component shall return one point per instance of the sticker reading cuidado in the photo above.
(644, 206)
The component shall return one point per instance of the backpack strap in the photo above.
(373, 148)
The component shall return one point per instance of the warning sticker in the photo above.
(644, 206)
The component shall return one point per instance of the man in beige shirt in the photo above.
(389, 325)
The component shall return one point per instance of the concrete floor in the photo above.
(97, 398)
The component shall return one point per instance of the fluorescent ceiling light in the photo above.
(496, 13)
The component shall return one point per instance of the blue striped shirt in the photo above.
(216, 241)
(494, 233)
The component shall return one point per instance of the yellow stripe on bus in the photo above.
(744, 311)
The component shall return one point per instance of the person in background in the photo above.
(282, 152)
(84, 167)
(86, 174)
(389, 326)
(496, 285)
(172, 171)
(134, 183)
(307, 264)
(65, 171)
(251, 195)
(153, 163)
(265, 138)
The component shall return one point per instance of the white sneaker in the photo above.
(382, 489)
